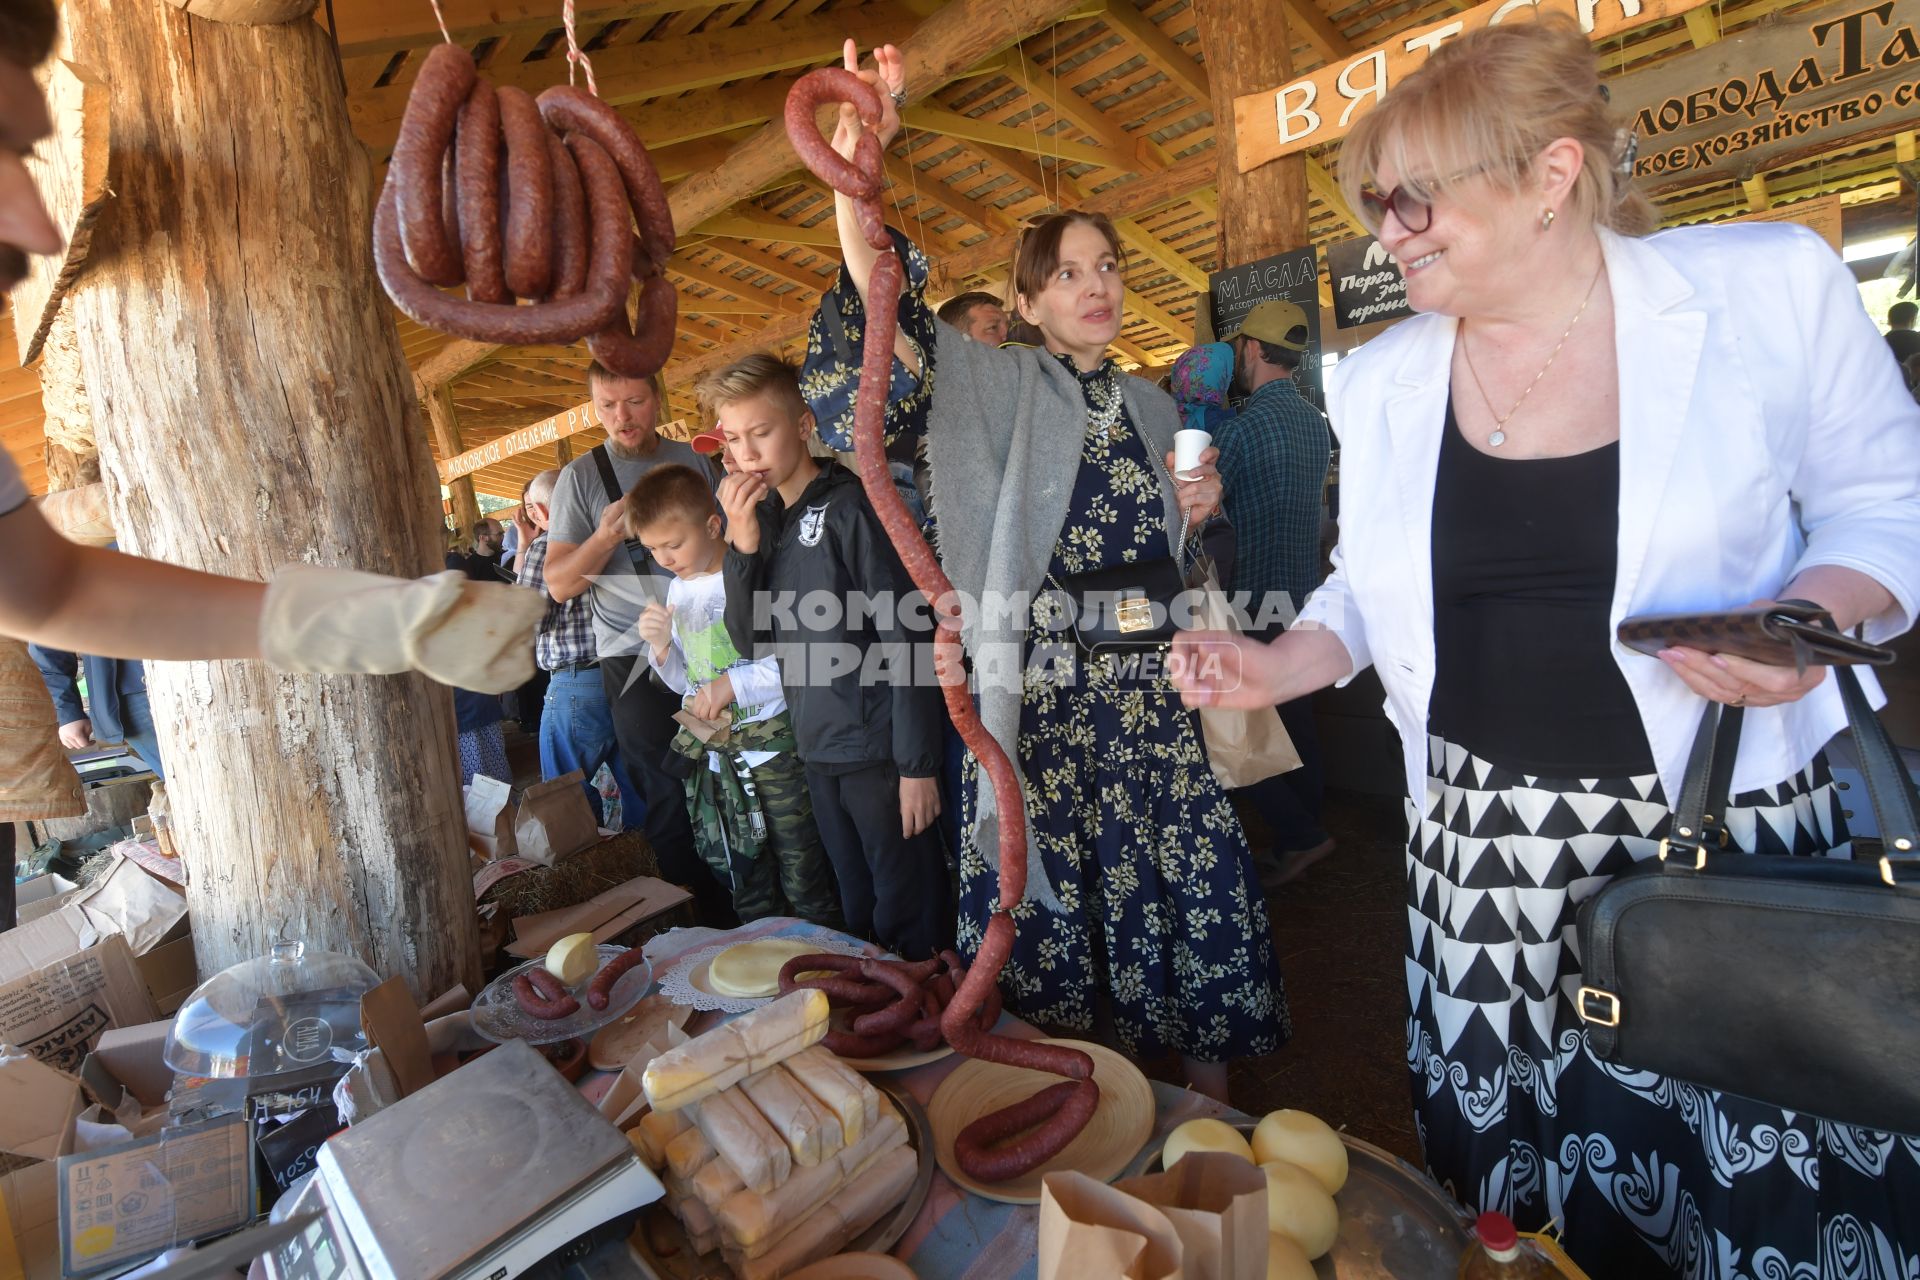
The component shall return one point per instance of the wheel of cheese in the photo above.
(1305, 1140)
(1299, 1208)
(1286, 1260)
(752, 969)
(573, 959)
(1204, 1135)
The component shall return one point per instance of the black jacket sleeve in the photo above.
(746, 579)
(919, 714)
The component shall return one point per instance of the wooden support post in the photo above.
(253, 409)
(1265, 211)
(446, 434)
(1759, 200)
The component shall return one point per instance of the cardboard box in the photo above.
(30, 1222)
(125, 1204)
(38, 1107)
(605, 915)
(60, 989)
(171, 970)
(44, 887)
(132, 1056)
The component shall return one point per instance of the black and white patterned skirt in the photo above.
(1645, 1176)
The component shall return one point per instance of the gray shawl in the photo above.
(1004, 438)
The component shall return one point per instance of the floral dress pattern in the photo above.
(1163, 907)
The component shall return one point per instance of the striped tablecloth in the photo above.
(957, 1234)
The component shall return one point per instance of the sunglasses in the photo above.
(1414, 212)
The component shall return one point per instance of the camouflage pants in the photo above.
(755, 829)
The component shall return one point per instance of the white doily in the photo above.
(678, 986)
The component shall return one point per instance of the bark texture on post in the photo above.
(253, 408)
(1248, 49)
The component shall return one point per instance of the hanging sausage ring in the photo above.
(1017, 1139)
(527, 199)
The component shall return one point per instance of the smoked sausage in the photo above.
(541, 994)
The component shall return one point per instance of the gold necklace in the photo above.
(1500, 420)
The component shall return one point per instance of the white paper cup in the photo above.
(1188, 445)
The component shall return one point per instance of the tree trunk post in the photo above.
(1248, 49)
(253, 408)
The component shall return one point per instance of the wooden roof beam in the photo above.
(727, 283)
(909, 181)
(951, 124)
(1311, 23)
(755, 224)
(1171, 58)
(380, 27)
(1322, 184)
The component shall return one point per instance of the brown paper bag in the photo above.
(554, 821)
(1088, 1228)
(489, 806)
(1244, 747)
(1217, 1205)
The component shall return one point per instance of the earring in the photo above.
(1546, 219)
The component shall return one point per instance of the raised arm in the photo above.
(888, 77)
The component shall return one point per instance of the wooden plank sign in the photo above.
(1776, 93)
(73, 169)
(1821, 215)
(546, 431)
(1322, 107)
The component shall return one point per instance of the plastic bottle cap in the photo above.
(1496, 1231)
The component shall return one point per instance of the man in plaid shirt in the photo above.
(576, 727)
(1273, 467)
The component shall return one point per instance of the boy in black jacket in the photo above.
(807, 559)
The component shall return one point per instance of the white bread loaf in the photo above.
(728, 1054)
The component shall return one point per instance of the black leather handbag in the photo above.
(1789, 980)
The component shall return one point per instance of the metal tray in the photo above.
(684, 1264)
(1395, 1223)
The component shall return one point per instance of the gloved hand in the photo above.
(476, 635)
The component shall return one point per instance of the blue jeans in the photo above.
(576, 732)
(136, 726)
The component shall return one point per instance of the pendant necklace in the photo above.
(1500, 420)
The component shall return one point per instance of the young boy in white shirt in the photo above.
(751, 812)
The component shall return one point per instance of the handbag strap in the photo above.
(636, 554)
(1699, 818)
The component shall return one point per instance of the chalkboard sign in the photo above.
(1293, 275)
(1367, 284)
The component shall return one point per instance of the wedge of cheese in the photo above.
(810, 1130)
(753, 1222)
(687, 1154)
(859, 1203)
(843, 1091)
(741, 1136)
(716, 1183)
(728, 1054)
(655, 1130)
(752, 969)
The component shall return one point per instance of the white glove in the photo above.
(476, 635)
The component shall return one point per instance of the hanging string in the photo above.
(1033, 126)
(574, 56)
(440, 18)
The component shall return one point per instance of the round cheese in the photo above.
(1285, 1260)
(1305, 1140)
(1204, 1135)
(1299, 1208)
(573, 959)
(749, 970)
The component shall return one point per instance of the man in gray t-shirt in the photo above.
(587, 555)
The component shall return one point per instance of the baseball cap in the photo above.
(708, 442)
(1277, 321)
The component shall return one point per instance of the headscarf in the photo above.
(1200, 381)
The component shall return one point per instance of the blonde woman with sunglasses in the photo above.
(1585, 425)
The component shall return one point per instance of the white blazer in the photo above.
(1764, 429)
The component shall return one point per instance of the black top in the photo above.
(1524, 560)
(1905, 343)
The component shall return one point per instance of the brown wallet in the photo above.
(1791, 633)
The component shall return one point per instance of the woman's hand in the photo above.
(1199, 497)
(1740, 682)
(888, 78)
(1224, 669)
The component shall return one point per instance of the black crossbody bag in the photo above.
(1788, 980)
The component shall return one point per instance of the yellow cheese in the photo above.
(573, 959)
(731, 1052)
(1204, 1135)
(741, 1136)
(688, 1154)
(1299, 1208)
(655, 1130)
(838, 1087)
(752, 969)
(752, 1222)
(1306, 1140)
(861, 1202)
(716, 1183)
(1286, 1260)
(810, 1130)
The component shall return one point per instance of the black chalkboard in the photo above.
(1367, 284)
(1293, 275)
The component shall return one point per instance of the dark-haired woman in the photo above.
(1142, 902)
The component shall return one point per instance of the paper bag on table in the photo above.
(555, 820)
(1218, 1207)
(490, 817)
(1088, 1228)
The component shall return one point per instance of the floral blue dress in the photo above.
(1163, 911)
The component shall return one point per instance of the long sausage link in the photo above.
(476, 154)
(418, 165)
(639, 350)
(529, 195)
(569, 223)
(1060, 1111)
(573, 110)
